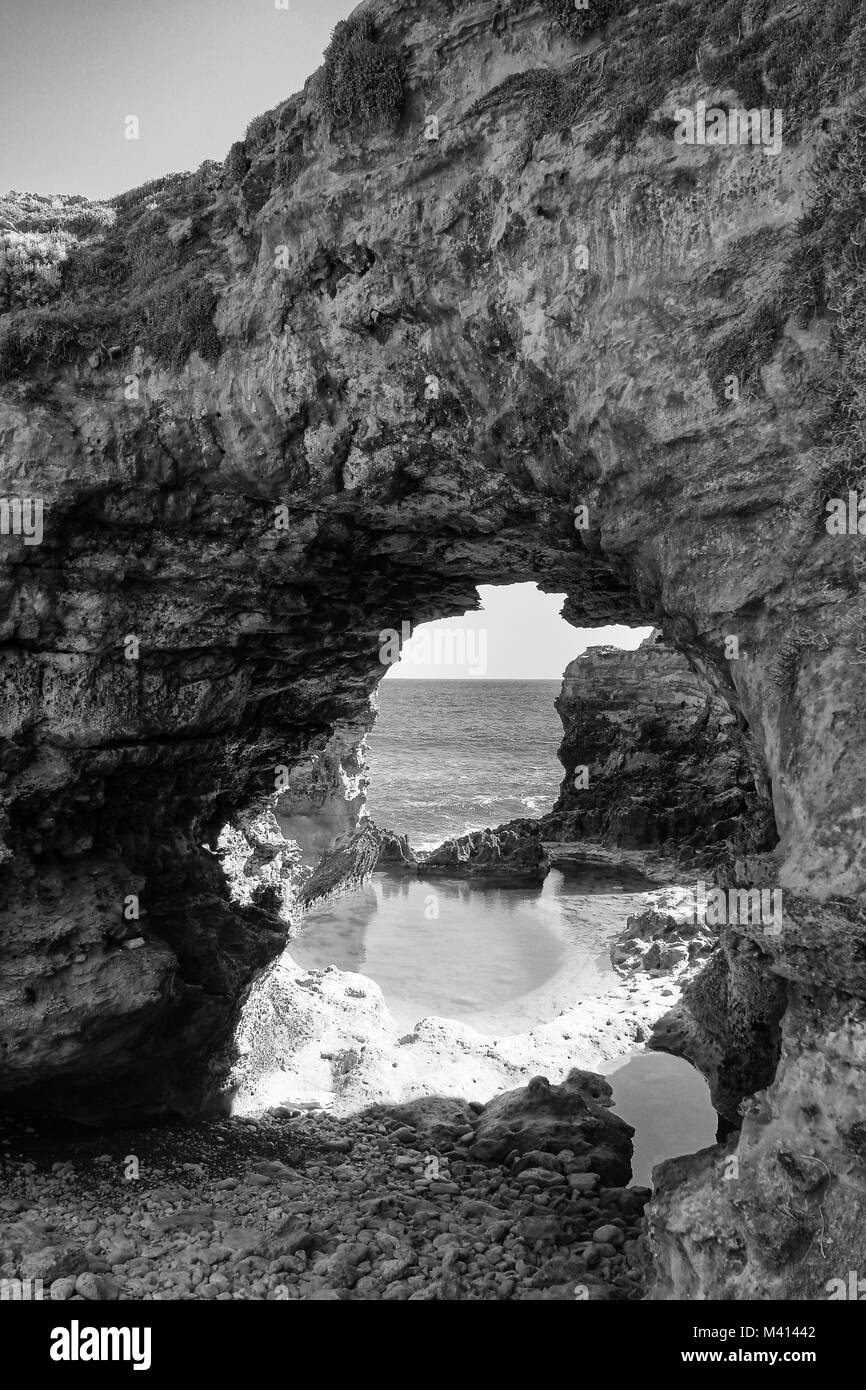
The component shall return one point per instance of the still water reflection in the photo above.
(477, 953)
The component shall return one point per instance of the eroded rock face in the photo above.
(348, 864)
(776, 1025)
(666, 937)
(653, 757)
(779, 1211)
(326, 792)
(544, 1119)
(727, 1023)
(395, 851)
(510, 852)
(405, 363)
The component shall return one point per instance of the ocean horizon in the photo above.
(442, 763)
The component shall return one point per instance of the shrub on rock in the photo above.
(361, 80)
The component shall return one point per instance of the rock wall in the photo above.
(279, 406)
(779, 1211)
(326, 792)
(654, 758)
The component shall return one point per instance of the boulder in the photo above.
(575, 1115)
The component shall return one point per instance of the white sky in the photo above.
(517, 635)
(194, 72)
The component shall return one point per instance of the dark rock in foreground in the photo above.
(490, 852)
(575, 1116)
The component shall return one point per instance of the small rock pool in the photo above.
(480, 952)
(504, 958)
(667, 1102)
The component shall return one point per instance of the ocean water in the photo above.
(448, 757)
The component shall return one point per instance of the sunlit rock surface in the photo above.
(326, 792)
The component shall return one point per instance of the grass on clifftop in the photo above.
(78, 278)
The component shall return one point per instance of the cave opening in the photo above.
(457, 967)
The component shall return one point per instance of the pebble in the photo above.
(96, 1287)
(267, 1218)
(583, 1182)
(608, 1235)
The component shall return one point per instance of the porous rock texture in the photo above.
(326, 792)
(515, 853)
(541, 1117)
(665, 934)
(653, 757)
(377, 370)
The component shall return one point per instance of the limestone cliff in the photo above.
(464, 311)
(654, 758)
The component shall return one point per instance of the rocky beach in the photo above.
(522, 1196)
(431, 1200)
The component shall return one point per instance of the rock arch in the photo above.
(412, 362)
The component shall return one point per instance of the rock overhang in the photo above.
(414, 365)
